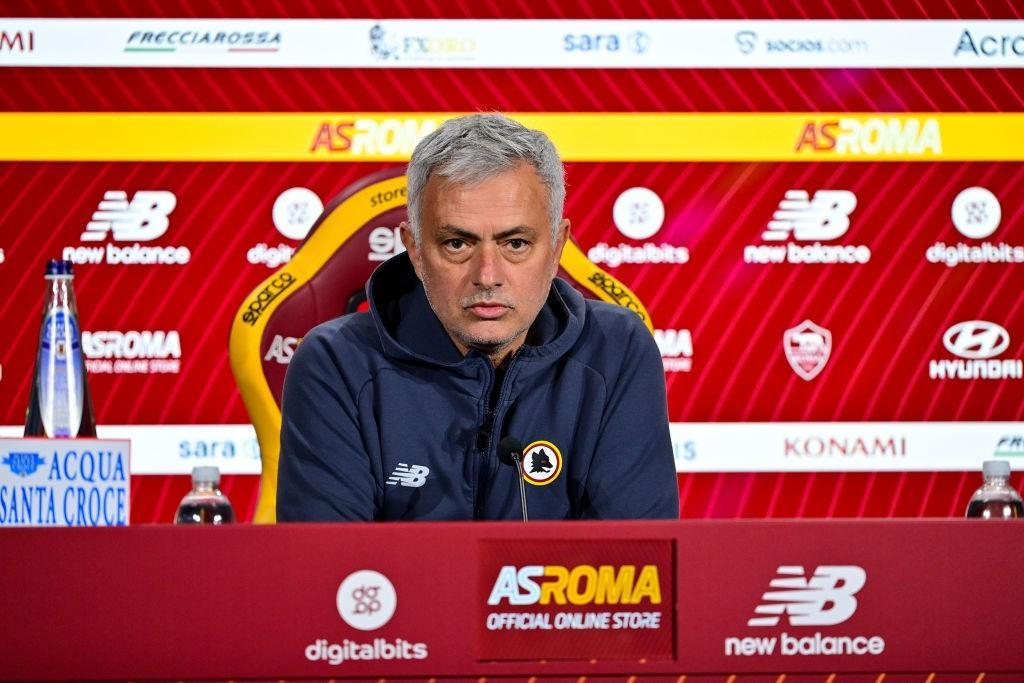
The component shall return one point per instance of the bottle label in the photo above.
(61, 380)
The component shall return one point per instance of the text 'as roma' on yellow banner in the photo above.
(391, 136)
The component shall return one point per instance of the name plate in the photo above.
(64, 482)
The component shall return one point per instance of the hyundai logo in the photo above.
(976, 339)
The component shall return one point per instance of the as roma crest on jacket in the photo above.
(542, 463)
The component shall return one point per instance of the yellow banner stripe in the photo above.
(391, 136)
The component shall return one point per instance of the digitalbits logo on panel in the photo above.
(803, 222)
(976, 214)
(295, 212)
(827, 598)
(366, 600)
(638, 214)
(975, 345)
(119, 218)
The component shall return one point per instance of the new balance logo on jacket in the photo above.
(413, 476)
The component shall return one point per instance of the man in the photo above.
(470, 339)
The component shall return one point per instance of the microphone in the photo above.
(511, 448)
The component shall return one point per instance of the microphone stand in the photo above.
(518, 459)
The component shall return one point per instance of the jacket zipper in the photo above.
(497, 414)
(478, 454)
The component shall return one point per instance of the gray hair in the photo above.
(469, 149)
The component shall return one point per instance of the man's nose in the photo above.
(487, 266)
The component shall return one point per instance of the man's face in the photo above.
(486, 258)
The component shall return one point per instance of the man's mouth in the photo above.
(489, 310)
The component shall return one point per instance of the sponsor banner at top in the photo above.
(478, 43)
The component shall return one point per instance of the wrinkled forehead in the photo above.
(513, 196)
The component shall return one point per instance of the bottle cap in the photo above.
(995, 468)
(58, 267)
(205, 475)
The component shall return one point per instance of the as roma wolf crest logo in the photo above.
(807, 347)
(542, 463)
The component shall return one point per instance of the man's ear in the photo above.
(561, 237)
(409, 242)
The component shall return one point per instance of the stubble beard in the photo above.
(492, 348)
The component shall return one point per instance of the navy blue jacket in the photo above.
(384, 419)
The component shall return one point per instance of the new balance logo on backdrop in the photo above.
(826, 216)
(413, 476)
(802, 217)
(826, 599)
(142, 218)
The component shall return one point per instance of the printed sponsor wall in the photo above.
(830, 256)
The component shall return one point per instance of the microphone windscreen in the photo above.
(508, 446)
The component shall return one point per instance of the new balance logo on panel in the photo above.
(144, 218)
(799, 226)
(825, 217)
(825, 599)
(409, 475)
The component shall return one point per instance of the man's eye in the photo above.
(518, 244)
(455, 244)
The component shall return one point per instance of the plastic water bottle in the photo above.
(59, 403)
(205, 504)
(996, 499)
